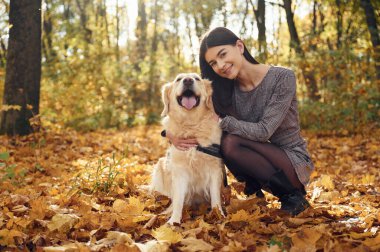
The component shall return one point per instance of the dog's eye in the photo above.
(178, 79)
(197, 79)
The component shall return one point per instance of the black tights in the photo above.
(249, 160)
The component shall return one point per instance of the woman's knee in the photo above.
(229, 146)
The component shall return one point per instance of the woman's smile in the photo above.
(228, 70)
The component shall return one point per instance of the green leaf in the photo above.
(4, 156)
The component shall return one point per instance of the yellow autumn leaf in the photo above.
(368, 179)
(373, 243)
(65, 248)
(166, 234)
(132, 206)
(329, 196)
(243, 215)
(120, 206)
(62, 222)
(153, 246)
(38, 208)
(360, 235)
(306, 239)
(193, 244)
(299, 221)
(7, 236)
(240, 215)
(119, 237)
(135, 206)
(327, 182)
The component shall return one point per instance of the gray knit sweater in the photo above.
(269, 113)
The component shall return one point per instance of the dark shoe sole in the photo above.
(297, 209)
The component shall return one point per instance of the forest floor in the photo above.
(70, 191)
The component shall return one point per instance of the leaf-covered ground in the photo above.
(66, 191)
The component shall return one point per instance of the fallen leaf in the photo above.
(327, 182)
(166, 234)
(62, 222)
(192, 244)
(305, 240)
(7, 237)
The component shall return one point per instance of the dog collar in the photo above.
(213, 150)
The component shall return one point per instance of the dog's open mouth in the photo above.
(188, 99)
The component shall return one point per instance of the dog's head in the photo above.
(188, 92)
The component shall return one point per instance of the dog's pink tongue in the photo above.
(188, 102)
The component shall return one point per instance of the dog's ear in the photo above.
(209, 94)
(165, 98)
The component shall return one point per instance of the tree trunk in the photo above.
(294, 39)
(188, 29)
(153, 58)
(104, 7)
(372, 27)
(117, 50)
(260, 20)
(339, 24)
(23, 70)
(3, 53)
(47, 42)
(141, 33)
(225, 13)
(313, 45)
(243, 29)
(84, 19)
(295, 43)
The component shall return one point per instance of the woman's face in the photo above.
(226, 60)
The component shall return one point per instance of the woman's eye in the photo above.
(223, 54)
(212, 64)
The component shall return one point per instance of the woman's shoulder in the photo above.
(281, 71)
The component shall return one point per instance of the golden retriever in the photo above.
(189, 176)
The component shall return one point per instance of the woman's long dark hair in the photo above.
(222, 87)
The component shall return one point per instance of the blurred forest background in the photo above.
(104, 61)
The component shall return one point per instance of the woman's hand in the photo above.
(181, 143)
(215, 117)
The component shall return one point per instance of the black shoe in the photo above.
(253, 187)
(294, 203)
(292, 199)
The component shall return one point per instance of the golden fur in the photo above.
(188, 176)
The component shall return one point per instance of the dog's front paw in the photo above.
(172, 220)
(222, 212)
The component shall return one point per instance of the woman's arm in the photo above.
(273, 115)
(179, 143)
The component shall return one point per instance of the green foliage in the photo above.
(9, 171)
(351, 111)
(4, 156)
(106, 173)
(281, 242)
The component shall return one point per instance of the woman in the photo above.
(261, 144)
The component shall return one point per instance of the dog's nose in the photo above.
(188, 82)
